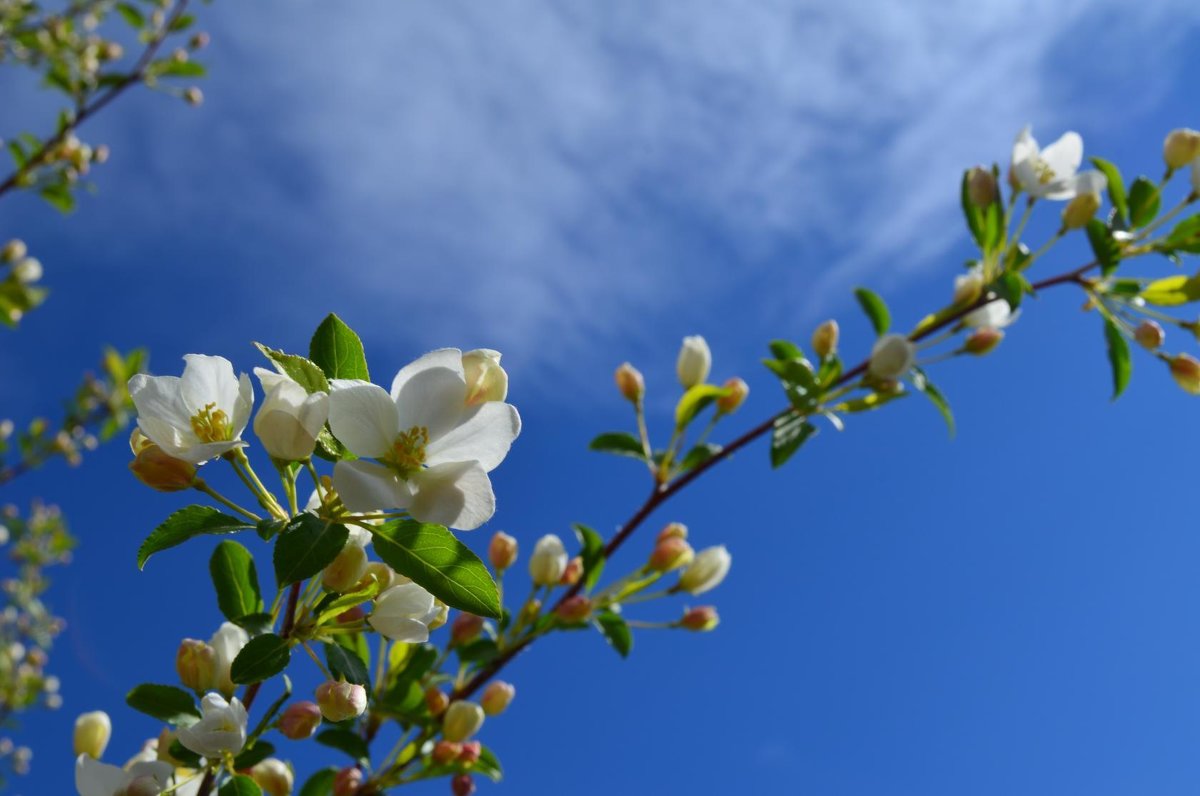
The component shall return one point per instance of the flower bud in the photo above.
(347, 781)
(573, 572)
(1181, 147)
(465, 627)
(981, 341)
(462, 785)
(340, 700)
(981, 186)
(92, 731)
(700, 619)
(1186, 371)
(14, 250)
(1149, 335)
(548, 561)
(300, 720)
(462, 720)
(346, 570)
(486, 380)
(273, 777)
(738, 390)
(193, 96)
(630, 382)
(154, 468)
(436, 700)
(471, 750)
(530, 610)
(162, 749)
(502, 551)
(707, 571)
(496, 697)
(695, 360)
(439, 618)
(199, 41)
(574, 609)
(290, 418)
(196, 663)
(27, 270)
(892, 356)
(228, 641)
(1079, 210)
(384, 574)
(671, 553)
(446, 751)
(968, 287)
(825, 339)
(673, 529)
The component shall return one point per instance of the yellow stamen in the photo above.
(408, 451)
(212, 425)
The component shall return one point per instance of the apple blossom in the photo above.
(700, 619)
(432, 449)
(345, 571)
(197, 416)
(738, 390)
(548, 561)
(93, 778)
(27, 270)
(462, 720)
(446, 752)
(340, 700)
(502, 551)
(706, 572)
(1186, 371)
(486, 380)
(996, 314)
(92, 731)
(574, 609)
(497, 697)
(1083, 206)
(1181, 147)
(968, 287)
(290, 418)
(573, 572)
(892, 356)
(1047, 173)
(1149, 334)
(436, 700)
(670, 553)
(347, 781)
(695, 360)
(227, 642)
(825, 339)
(14, 250)
(300, 720)
(221, 729)
(982, 340)
(196, 664)
(405, 612)
(471, 750)
(630, 383)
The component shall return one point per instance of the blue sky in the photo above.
(579, 184)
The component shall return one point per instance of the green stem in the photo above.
(201, 486)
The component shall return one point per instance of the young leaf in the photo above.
(1104, 246)
(694, 400)
(304, 372)
(434, 558)
(922, 383)
(619, 443)
(1144, 200)
(132, 16)
(165, 703)
(1185, 237)
(616, 631)
(1116, 186)
(264, 656)
(875, 309)
(1172, 291)
(1118, 357)
(236, 581)
(240, 785)
(592, 554)
(183, 525)
(320, 783)
(789, 433)
(253, 755)
(345, 741)
(307, 545)
(346, 663)
(338, 351)
(698, 455)
(488, 765)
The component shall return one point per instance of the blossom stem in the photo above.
(316, 477)
(1165, 217)
(644, 434)
(316, 660)
(241, 465)
(200, 486)
(1016, 236)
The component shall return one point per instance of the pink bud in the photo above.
(502, 551)
(573, 572)
(347, 782)
(700, 619)
(462, 785)
(436, 700)
(674, 529)
(575, 609)
(671, 553)
(340, 700)
(351, 615)
(300, 720)
(465, 628)
(471, 750)
(496, 697)
(446, 751)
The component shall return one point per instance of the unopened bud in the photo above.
(462, 720)
(199, 41)
(1186, 371)
(1079, 211)
(436, 700)
(344, 573)
(573, 572)
(1149, 335)
(471, 750)
(575, 609)
(530, 610)
(738, 390)
(502, 551)
(968, 288)
(112, 51)
(630, 382)
(101, 154)
(347, 781)
(981, 186)
(14, 250)
(340, 700)
(465, 628)
(27, 270)
(700, 619)
(825, 339)
(496, 697)
(671, 553)
(462, 785)
(892, 356)
(695, 361)
(300, 720)
(673, 530)
(92, 731)
(548, 561)
(193, 96)
(446, 751)
(383, 574)
(442, 615)
(1181, 147)
(273, 777)
(154, 468)
(196, 663)
(707, 571)
(981, 341)
(486, 380)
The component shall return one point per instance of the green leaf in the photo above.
(1144, 200)
(165, 703)
(480, 651)
(307, 546)
(345, 741)
(253, 755)
(1116, 186)
(264, 656)
(184, 524)
(784, 350)
(183, 754)
(60, 197)
(1104, 246)
(592, 554)
(304, 372)
(868, 403)
(922, 383)
(788, 433)
(1184, 237)
(876, 310)
(182, 22)
(320, 783)
(236, 580)
(269, 528)
(132, 16)
(240, 785)
(698, 455)
(1012, 287)
(173, 68)
(1118, 357)
(488, 765)
(338, 351)
(329, 449)
(434, 558)
(695, 400)
(619, 443)
(616, 631)
(1172, 291)
(346, 664)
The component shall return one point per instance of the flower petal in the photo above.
(159, 397)
(484, 436)
(367, 486)
(208, 380)
(160, 770)
(93, 778)
(431, 392)
(1064, 155)
(242, 405)
(458, 495)
(408, 631)
(363, 417)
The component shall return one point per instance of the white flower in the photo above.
(433, 450)
(968, 286)
(221, 729)
(198, 416)
(695, 360)
(289, 419)
(93, 778)
(404, 613)
(548, 562)
(1047, 173)
(995, 314)
(227, 642)
(706, 572)
(892, 356)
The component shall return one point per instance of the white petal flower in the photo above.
(548, 562)
(892, 356)
(221, 729)
(289, 419)
(1047, 173)
(93, 778)
(694, 362)
(403, 613)
(227, 642)
(995, 314)
(706, 571)
(433, 447)
(198, 416)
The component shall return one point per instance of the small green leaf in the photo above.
(264, 656)
(488, 765)
(619, 443)
(698, 455)
(253, 755)
(1185, 237)
(132, 16)
(922, 383)
(307, 546)
(165, 703)
(338, 351)
(1104, 246)
(592, 554)
(182, 22)
(434, 558)
(1116, 186)
(172, 68)
(1012, 287)
(787, 435)
(269, 528)
(616, 631)
(346, 664)
(345, 741)
(1144, 201)
(784, 350)
(695, 400)
(876, 310)
(320, 783)
(236, 581)
(183, 525)
(1172, 291)
(240, 785)
(304, 372)
(479, 652)
(59, 196)
(183, 754)
(1118, 357)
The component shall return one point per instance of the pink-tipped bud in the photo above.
(497, 697)
(700, 619)
(340, 700)
(671, 553)
(154, 468)
(465, 628)
(981, 341)
(462, 785)
(347, 782)
(1149, 335)
(630, 382)
(470, 753)
(1186, 371)
(738, 390)
(825, 339)
(502, 551)
(196, 663)
(300, 720)
(981, 186)
(446, 751)
(575, 609)
(573, 572)
(436, 700)
(199, 41)
(673, 530)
